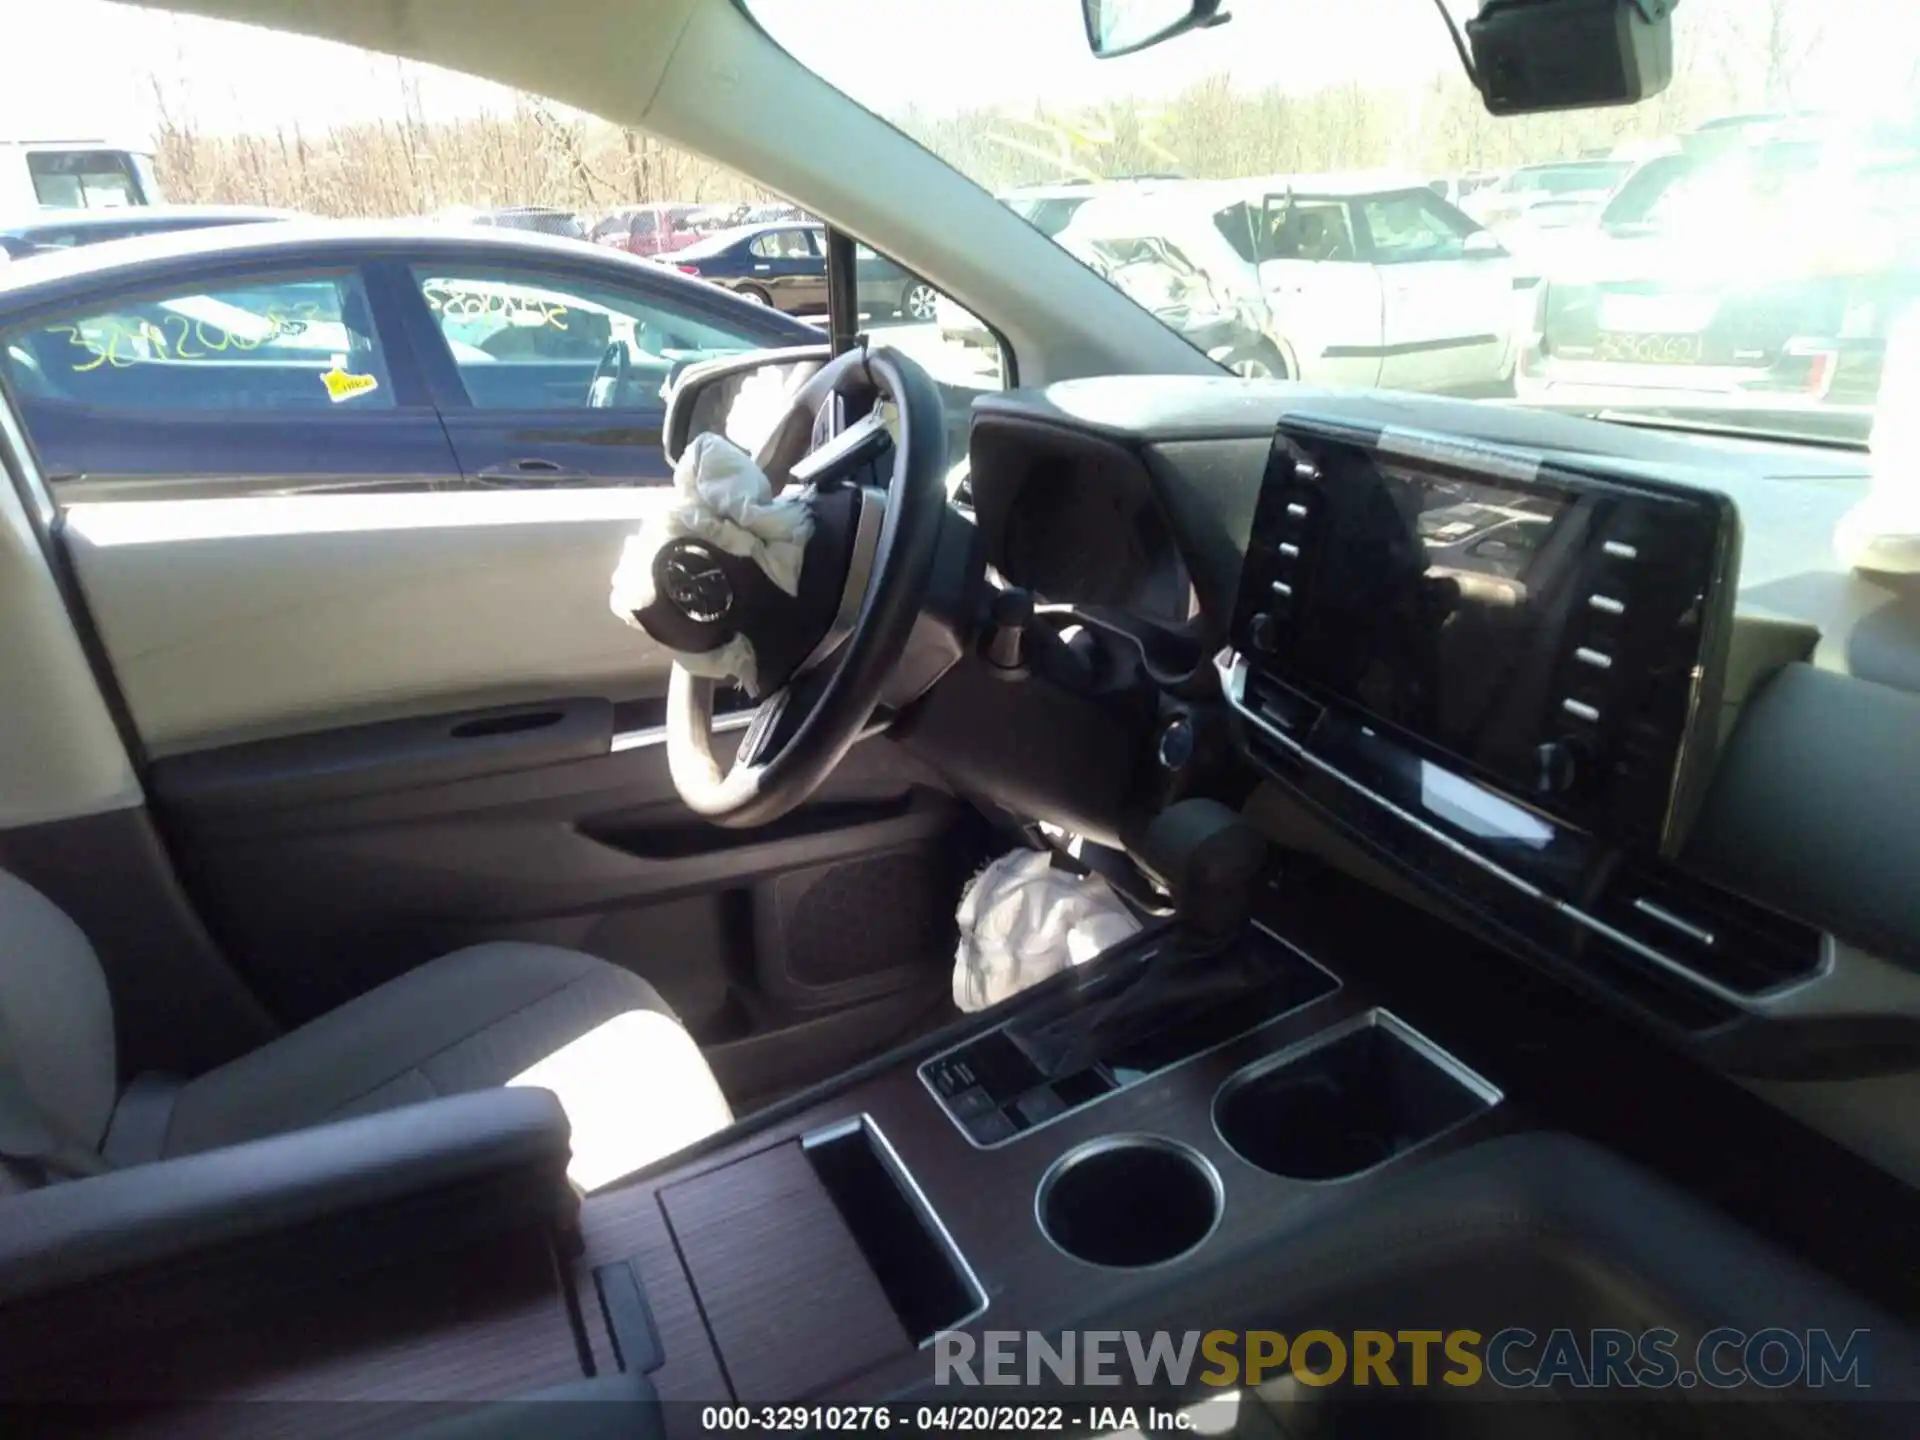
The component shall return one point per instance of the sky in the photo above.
(937, 54)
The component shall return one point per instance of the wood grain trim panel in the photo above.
(788, 1297)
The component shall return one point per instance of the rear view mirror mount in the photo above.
(1121, 27)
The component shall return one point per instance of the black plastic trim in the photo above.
(623, 1302)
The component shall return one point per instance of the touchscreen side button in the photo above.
(1580, 710)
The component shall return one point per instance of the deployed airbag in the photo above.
(693, 577)
(1024, 919)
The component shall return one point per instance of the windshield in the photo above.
(1734, 252)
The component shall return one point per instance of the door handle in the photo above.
(761, 269)
(532, 468)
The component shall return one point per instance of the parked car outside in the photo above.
(1501, 204)
(62, 230)
(535, 219)
(1356, 280)
(1718, 277)
(784, 265)
(68, 173)
(646, 229)
(1049, 209)
(1172, 263)
(355, 356)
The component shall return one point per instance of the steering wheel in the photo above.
(611, 377)
(801, 731)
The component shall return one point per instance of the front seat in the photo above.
(631, 1079)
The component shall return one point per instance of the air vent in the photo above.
(1745, 947)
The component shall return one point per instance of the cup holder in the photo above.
(1353, 1101)
(1129, 1201)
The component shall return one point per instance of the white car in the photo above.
(1362, 280)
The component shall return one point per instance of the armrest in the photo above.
(313, 1204)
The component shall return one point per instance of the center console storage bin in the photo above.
(815, 1259)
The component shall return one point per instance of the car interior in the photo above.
(418, 985)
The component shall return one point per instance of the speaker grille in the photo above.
(867, 917)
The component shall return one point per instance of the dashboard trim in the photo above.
(1233, 677)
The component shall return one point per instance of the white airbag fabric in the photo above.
(723, 498)
(1022, 920)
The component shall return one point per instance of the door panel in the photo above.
(536, 447)
(243, 619)
(791, 266)
(1329, 314)
(1445, 328)
(328, 864)
(389, 726)
(96, 454)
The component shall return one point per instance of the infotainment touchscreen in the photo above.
(1433, 593)
(1548, 625)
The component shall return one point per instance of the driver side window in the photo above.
(1408, 229)
(526, 341)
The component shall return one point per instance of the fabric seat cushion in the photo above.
(56, 1018)
(633, 1082)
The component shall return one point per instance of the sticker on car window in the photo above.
(344, 385)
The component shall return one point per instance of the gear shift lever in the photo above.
(1210, 861)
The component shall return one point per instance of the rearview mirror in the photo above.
(739, 396)
(1120, 27)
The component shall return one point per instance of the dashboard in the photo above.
(1506, 653)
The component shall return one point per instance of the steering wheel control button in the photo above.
(1306, 471)
(1289, 551)
(1620, 550)
(1598, 659)
(1580, 710)
(1282, 589)
(1296, 511)
(1606, 605)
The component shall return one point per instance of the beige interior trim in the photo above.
(62, 757)
(241, 619)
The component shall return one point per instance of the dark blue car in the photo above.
(283, 359)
